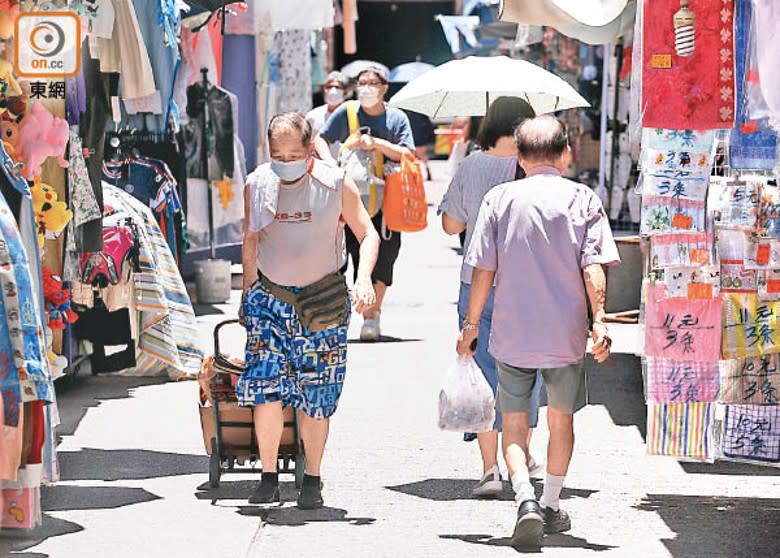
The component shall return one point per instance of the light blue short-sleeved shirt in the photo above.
(537, 234)
(476, 176)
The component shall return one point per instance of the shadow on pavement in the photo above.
(383, 339)
(617, 385)
(285, 514)
(729, 468)
(550, 541)
(66, 498)
(13, 541)
(237, 490)
(294, 517)
(716, 526)
(129, 464)
(76, 394)
(448, 490)
(207, 310)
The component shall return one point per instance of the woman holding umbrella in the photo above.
(495, 164)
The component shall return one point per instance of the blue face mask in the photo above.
(290, 171)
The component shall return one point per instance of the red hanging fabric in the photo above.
(688, 92)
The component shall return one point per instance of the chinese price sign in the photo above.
(670, 381)
(754, 381)
(750, 327)
(682, 329)
(752, 432)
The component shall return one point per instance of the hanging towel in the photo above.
(680, 430)
(753, 144)
(697, 91)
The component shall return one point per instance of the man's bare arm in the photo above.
(248, 248)
(596, 287)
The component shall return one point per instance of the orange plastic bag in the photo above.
(404, 207)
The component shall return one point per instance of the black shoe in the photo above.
(529, 528)
(267, 490)
(556, 521)
(310, 497)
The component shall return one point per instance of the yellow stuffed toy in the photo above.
(8, 84)
(51, 215)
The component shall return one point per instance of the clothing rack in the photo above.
(204, 157)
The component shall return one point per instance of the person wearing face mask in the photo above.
(385, 133)
(335, 91)
(296, 306)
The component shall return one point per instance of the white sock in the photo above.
(522, 486)
(552, 492)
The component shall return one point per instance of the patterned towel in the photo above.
(680, 430)
(753, 144)
(752, 432)
(168, 339)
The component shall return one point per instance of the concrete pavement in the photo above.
(132, 459)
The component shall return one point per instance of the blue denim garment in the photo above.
(158, 23)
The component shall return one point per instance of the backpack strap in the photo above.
(379, 161)
(352, 116)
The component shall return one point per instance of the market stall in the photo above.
(710, 204)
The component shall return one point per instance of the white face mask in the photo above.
(333, 96)
(368, 96)
(290, 171)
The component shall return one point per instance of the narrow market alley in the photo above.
(134, 465)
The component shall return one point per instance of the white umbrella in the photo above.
(409, 71)
(467, 87)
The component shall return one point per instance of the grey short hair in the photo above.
(287, 121)
(543, 138)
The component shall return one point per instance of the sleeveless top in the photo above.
(305, 240)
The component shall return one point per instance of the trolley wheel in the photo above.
(215, 466)
(300, 467)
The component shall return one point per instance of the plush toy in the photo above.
(9, 133)
(14, 107)
(57, 363)
(8, 83)
(57, 301)
(51, 215)
(41, 135)
(7, 17)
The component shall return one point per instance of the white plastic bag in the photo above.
(466, 401)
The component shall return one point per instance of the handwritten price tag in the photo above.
(661, 61)
(682, 222)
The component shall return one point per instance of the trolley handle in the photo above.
(219, 326)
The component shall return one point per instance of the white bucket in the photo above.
(212, 281)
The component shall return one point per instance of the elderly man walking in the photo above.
(544, 240)
(296, 306)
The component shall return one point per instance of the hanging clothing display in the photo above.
(168, 340)
(162, 48)
(294, 60)
(222, 107)
(227, 203)
(151, 182)
(767, 28)
(690, 91)
(753, 143)
(711, 298)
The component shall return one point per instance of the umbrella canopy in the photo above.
(467, 87)
(352, 69)
(407, 72)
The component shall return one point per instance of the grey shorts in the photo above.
(566, 387)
